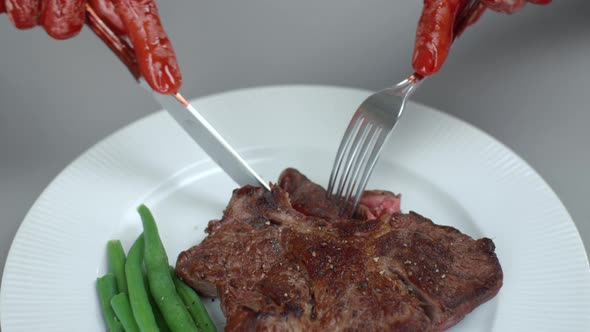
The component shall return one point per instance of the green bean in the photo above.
(194, 305)
(122, 309)
(159, 318)
(116, 259)
(107, 288)
(161, 284)
(138, 297)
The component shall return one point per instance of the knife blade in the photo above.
(209, 139)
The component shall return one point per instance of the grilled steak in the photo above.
(284, 261)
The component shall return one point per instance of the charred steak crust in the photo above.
(279, 269)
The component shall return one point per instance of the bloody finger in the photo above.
(107, 12)
(153, 49)
(22, 13)
(62, 19)
(434, 35)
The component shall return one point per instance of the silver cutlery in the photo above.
(370, 127)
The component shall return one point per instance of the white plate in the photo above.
(445, 169)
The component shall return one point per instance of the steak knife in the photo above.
(209, 139)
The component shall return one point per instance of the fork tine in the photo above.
(371, 161)
(348, 153)
(352, 155)
(349, 202)
(359, 165)
(350, 132)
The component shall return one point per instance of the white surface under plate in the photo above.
(445, 169)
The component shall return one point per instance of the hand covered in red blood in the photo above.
(438, 27)
(136, 19)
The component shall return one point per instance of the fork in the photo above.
(369, 129)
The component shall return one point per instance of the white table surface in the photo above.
(525, 79)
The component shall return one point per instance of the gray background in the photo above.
(525, 79)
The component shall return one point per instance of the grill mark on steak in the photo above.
(280, 268)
